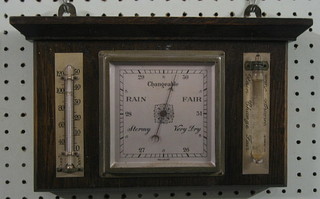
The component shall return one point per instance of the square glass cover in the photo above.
(161, 111)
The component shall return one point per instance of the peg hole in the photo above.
(23, 148)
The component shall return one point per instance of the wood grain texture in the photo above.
(159, 28)
(44, 129)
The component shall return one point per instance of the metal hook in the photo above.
(252, 7)
(67, 8)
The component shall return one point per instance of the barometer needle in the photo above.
(163, 113)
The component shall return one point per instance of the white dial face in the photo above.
(162, 114)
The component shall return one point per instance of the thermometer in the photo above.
(69, 123)
(69, 115)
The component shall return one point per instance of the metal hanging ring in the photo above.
(252, 8)
(67, 8)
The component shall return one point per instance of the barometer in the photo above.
(164, 110)
(159, 101)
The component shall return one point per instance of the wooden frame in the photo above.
(89, 35)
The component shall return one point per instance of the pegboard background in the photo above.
(16, 97)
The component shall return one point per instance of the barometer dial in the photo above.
(162, 114)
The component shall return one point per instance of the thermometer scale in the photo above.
(69, 114)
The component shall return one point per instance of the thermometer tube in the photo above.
(69, 114)
(258, 131)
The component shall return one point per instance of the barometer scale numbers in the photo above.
(163, 113)
(69, 115)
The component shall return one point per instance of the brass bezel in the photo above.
(107, 57)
